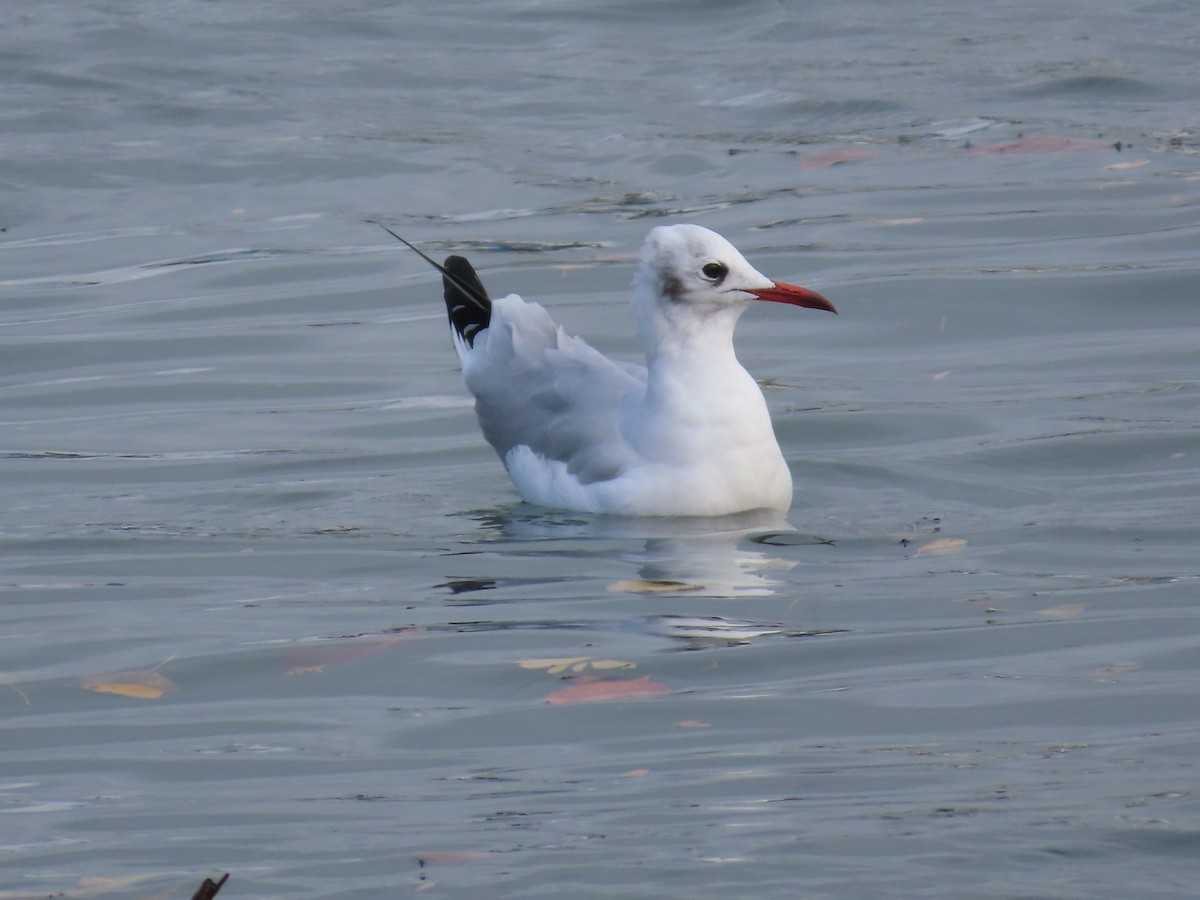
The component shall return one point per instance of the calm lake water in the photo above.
(269, 605)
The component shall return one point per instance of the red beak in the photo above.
(783, 292)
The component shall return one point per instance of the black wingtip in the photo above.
(467, 303)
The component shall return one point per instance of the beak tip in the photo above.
(794, 295)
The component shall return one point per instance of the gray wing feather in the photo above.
(537, 386)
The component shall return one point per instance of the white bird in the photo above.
(688, 434)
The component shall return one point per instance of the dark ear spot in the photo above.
(672, 287)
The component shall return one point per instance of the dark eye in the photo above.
(714, 271)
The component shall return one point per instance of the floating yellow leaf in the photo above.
(637, 586)
(611, 664)
(556, 666)
(142, 691)
(144, 684)
(1066, 611)
(941, 547)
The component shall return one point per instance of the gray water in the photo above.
(238, 466)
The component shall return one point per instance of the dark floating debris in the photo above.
(209, 889)
(791, 539)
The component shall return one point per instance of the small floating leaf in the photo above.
(94, 886)
(601, 664)
(602, 691)
(556, 666)
(315, 656)
(141, 691)
(1066, 611)
(827, 158)
(1041, 143)
(941, 547)
(144, 684)
(1117, 669)
(635, 586)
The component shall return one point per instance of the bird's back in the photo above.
(534, 385)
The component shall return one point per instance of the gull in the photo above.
(687, 434)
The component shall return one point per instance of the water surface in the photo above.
(239, 466)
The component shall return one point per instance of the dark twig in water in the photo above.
(471, 293)
(209, 889)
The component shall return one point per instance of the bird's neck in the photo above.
(695, 379)
(675, 334)
(695, 383)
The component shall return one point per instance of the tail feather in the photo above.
(467, 303)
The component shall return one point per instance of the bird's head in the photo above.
(688, 265)
(694, 282)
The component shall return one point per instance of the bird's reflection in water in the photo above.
(727, 556)
(740, 556)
